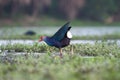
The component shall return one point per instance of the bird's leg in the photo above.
(61, 53)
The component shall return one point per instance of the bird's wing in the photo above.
(60, 34)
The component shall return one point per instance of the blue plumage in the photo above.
(60, 39)
(52, 42)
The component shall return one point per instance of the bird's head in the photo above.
(42, 38)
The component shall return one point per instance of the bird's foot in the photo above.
(61, 56)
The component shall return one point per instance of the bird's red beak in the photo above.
(41, 39)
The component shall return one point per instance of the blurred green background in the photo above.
(54, 12)
(94, 52)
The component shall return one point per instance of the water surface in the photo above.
(77, 31)
(31, 42)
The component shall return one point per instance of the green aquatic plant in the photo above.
(54, 68)
(97, 49)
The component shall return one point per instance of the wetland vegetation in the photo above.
(99, 61)
(23, 58)
(98, 49)
(85, 61)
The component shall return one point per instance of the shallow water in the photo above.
(77, 31)
(5, 42)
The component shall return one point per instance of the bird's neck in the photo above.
(46, 38)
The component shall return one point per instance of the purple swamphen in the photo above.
(60, 39)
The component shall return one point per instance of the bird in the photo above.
(29, 33)
(60, 39)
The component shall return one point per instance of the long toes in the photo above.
(61, 56)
